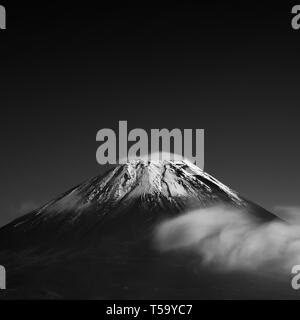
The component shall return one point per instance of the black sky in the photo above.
(68, 71)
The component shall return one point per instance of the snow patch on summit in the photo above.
(167, 185)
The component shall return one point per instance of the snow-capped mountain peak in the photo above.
(139, 190)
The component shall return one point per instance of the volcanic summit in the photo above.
(95, 239)
(138, 192)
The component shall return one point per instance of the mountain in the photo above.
(95, 240)
(137, 194)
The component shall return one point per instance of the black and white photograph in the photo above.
(149, 152)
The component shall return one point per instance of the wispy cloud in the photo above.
(26, 207)
(231, 239)
(288, 213)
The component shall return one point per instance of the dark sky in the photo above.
(69, 71)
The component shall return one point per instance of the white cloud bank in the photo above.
(232, 240)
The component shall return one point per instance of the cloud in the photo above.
(288, 213)
(13, 211)
(26, 207)
(229, 239)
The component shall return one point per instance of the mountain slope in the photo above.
(134, 195)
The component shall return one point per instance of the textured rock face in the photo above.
(138, 192)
